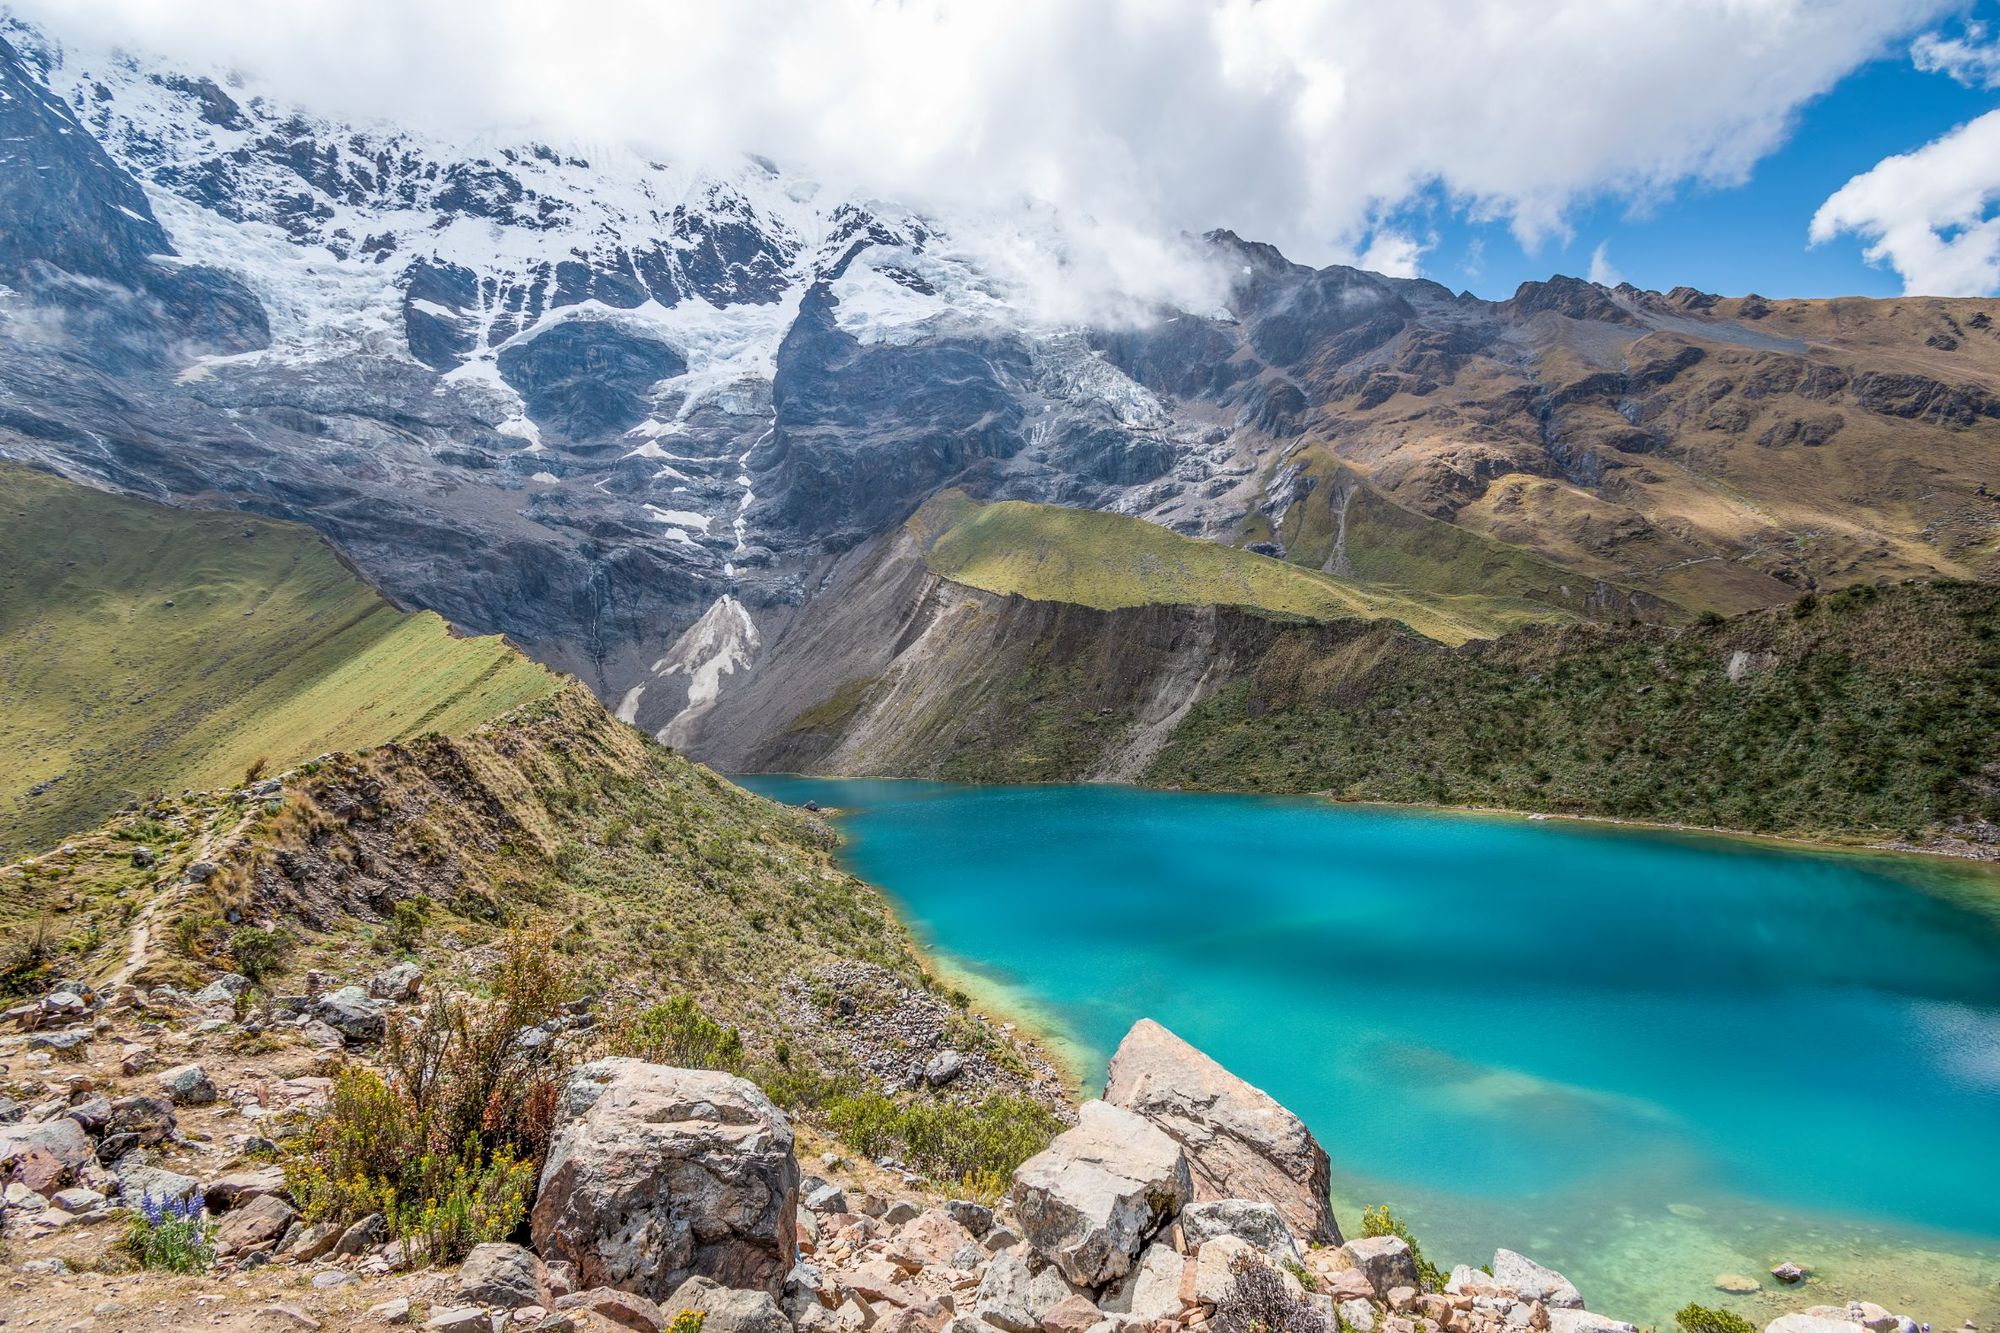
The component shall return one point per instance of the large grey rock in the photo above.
(350, 1012)
(223, 990)
(1252, 1220)
(726, 1310)
(396, 983)
(256, 1224)
(655, 1175)
(61, 1138)
(503, 1276)
(1152, 1290)
(1385, 1261)
(187, 1085)
(139, 1178)
(1091, 1199)
(1241, 1144)
(1014, 1296)
(1533, 1281)
(237, 1188)
(1567, 1319)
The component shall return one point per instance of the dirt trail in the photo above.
(142, 924)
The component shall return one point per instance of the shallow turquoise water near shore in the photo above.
(1643, 1057)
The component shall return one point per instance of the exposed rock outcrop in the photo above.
(1240, 1143)
(656, 1175)
(1092, 1199)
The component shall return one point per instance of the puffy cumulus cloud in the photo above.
(1302, 122)
(1928, 214)
(1973, 58)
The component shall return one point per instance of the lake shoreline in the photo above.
(1952, 850)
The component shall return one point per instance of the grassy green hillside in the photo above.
(1110, 561)
(1341, 523)
(145, 649)
(1870, 712)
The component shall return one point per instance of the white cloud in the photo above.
(1928, 214)
(1395, 254)
(1302, 122)
(1973, 59)
(1601, 271)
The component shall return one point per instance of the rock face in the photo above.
(1385, 1261)
(1091, 1200)
(1533, 1281)
(656, 1175)
(1240, 1143)
(504, 1276)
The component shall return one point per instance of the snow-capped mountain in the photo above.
(597, 341)
(635, 415)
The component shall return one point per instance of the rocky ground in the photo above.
(1188, 1200)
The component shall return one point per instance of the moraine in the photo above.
(1650, 1059)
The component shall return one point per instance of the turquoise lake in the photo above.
(1647, 1059)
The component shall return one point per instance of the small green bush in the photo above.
(258, 953)
(1702, 1319)
(946, 1140)
(678, 1033)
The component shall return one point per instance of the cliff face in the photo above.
(1868, 714)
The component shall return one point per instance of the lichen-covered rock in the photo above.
(503, 1276)
(257, 1224)
(187, 1085)
(725, 1310)
(350, 1012)
(1240, 1143)
(1090, 1200)
(655, 1175)
(1014, 1296)
(1533, 1282)
(1256, 1222)
(396, 983)
(1385, 1261)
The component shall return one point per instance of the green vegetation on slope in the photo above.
(1048, 553)
(145, 649)
(1872, 712)
(1341, 523)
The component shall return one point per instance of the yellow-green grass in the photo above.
(147, 649)
(1110, 561)
(1479, 578)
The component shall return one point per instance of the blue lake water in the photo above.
(1645, 1058)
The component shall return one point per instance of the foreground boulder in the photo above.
(1240, 1143)
(724, 1310)
(1091, 1199)
(504, 1276)
(1533, 1281)
(655, 1175)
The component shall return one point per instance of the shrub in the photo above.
(1379, 1221)
(456, 1202)
(172, 1234)
(688, 1321)
(948, 1140)
(256, 769)
(1701, 1319)
(678, 1033)
(406, 924)
(258, 953)
(1257, 1302)
(448, 1145)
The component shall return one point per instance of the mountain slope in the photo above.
(590, 399)
(145, 649)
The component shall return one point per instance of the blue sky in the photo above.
(1749, 238)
